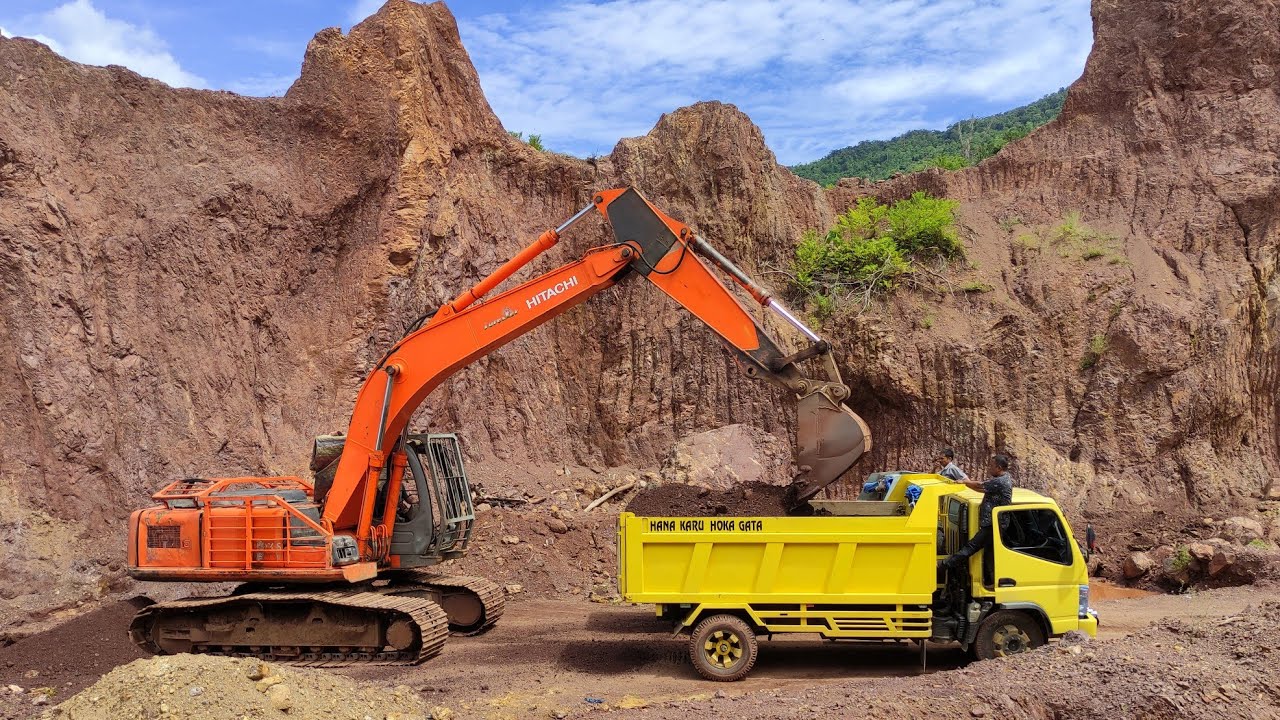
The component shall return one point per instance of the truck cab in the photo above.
(863, 570)
(1030, 584)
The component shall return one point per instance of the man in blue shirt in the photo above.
(997, 491)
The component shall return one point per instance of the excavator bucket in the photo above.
(831, 438)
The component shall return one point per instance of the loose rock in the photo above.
(1137, 565)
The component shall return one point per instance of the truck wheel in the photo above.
(723, 648)
(1007, 632)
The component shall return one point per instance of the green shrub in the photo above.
(1098, 344)
(871, 245)
(835, 260)
(944, 161)
(823, 306)
(977, 286)
(923, 223)
(864, 221)
(534, 141)
(1097, 348)
(1181, 559)
(1027, 241)
(1072, 228)
(1092, 253)
(1258, 543)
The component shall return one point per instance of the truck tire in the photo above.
(1007, 632)
(723, 648)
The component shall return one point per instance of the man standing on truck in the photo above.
(997, 490)
(947, 461)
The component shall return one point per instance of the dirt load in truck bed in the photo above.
(743, 500)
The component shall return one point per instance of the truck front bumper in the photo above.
(1090, 624)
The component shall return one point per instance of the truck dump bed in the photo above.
(866, 576)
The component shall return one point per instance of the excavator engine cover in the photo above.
(831, 438)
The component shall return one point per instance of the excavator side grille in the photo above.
(164, 536)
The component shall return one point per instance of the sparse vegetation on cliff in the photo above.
(871, 246)
(1097, 348)
(533, 141)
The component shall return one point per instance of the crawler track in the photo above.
(328, 628)
(473, 604)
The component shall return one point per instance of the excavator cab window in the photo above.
(435, 520)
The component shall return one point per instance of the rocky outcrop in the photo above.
(1169, 151)
(195, 283)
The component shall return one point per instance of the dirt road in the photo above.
(558, 656)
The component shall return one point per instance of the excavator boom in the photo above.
(648, 242)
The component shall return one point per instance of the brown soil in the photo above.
(549, 656)
(75, 653)
(746, 499)
(1177, 669)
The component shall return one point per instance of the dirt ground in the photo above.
(551, 657)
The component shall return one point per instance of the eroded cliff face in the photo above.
(1168, 144)
(195, 283)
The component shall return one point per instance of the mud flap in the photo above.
(831, 438)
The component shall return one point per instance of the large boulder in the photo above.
(1241, 529)
(729, 455)
(1137, 565)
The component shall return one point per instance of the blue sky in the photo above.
(816, 75)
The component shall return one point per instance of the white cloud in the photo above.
(3, 32)
(273, 48)
(262, 85)
(79, 31)
(814, 74)
(363, 9)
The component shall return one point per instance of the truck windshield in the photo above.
(1035, 532)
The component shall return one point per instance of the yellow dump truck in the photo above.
(861, 569)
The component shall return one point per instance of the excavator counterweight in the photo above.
(339, 570)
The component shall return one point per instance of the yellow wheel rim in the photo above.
(1010, 640)
(723, 648)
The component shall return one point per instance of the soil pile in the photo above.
(743, 500)
(44, 659)
(196, 686)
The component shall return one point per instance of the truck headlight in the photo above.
(1083, 610)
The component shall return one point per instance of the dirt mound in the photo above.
(196, 686)
(1211, 669)
(103, 635)
(743, 500)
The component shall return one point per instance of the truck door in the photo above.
(1036, 562)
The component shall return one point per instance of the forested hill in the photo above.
(964, 143)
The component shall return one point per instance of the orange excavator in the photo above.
(344, 569)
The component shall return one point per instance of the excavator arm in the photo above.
(648, 242)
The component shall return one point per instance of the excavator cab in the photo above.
(434, 520)
(434, 514)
